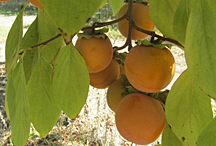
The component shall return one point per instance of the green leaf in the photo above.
(181, 19)
(102, 4)
(31, 37)
(70, 81)
(13, 41)
(18, 106)
(207, 137)
(30, 57)
(70, 15)
(47, 30)
(188, 109)
(44, 111)
(200, 45)
(116, 5)
(162, 14)
(169, 138)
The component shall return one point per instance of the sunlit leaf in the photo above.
(200, 45)
(47, 30)
(70, 15)
(44, 111)
(18, 105)
(70, 81)
(180, 21)
(207, 137)
(102, 4)
(169, 138)
(188, 109)
(116, 5)
(30, 57)
(13, 43)
(162, 14)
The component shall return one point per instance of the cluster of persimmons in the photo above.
(139, 117)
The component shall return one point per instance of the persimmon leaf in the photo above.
(188, 109)
(44, 111)
(18, 105)
(70, 15)
(169, 138)
(200, 45)
(207, 137)
(70, 81)
(116, 5)
(162, 14)
(47, 30)
(13, 41)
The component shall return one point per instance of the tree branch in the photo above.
(46, 42)
(98, 24)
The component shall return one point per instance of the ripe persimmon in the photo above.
(141, 19)
(36, 3)
(97, 52)
(106, 77)
(114, 94)
(149, 69)
(140, 118)
(4, 0)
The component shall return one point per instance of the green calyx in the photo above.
(96, 33)
(145, 42)
(128, 89)
(139, 1)
(119, 57)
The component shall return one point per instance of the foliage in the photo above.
(47, 75)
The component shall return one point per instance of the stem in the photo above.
(98, 24)
(152, 33)
(131, 23)
(129, 14)
(46, 42)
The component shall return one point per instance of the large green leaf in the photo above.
(102, 4)
(200, 45)
(13, 41)
(188, 109)
(30, 57)
(18, 105)
(162, 14)
(30, 38)
(44, 111)
(70, 15)
(169, 138)
(47, 30)
(116, 5)
(70, 81)
(180, 20)
(207, 137)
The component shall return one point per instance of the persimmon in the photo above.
(4, 0)
(106, 77)
(114, 94)
(36, 3)
(141, 19)
(149, 69)
(140, 118)
(97, 52)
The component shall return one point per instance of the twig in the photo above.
(98, 24)
(152, 33)
(46, 42)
